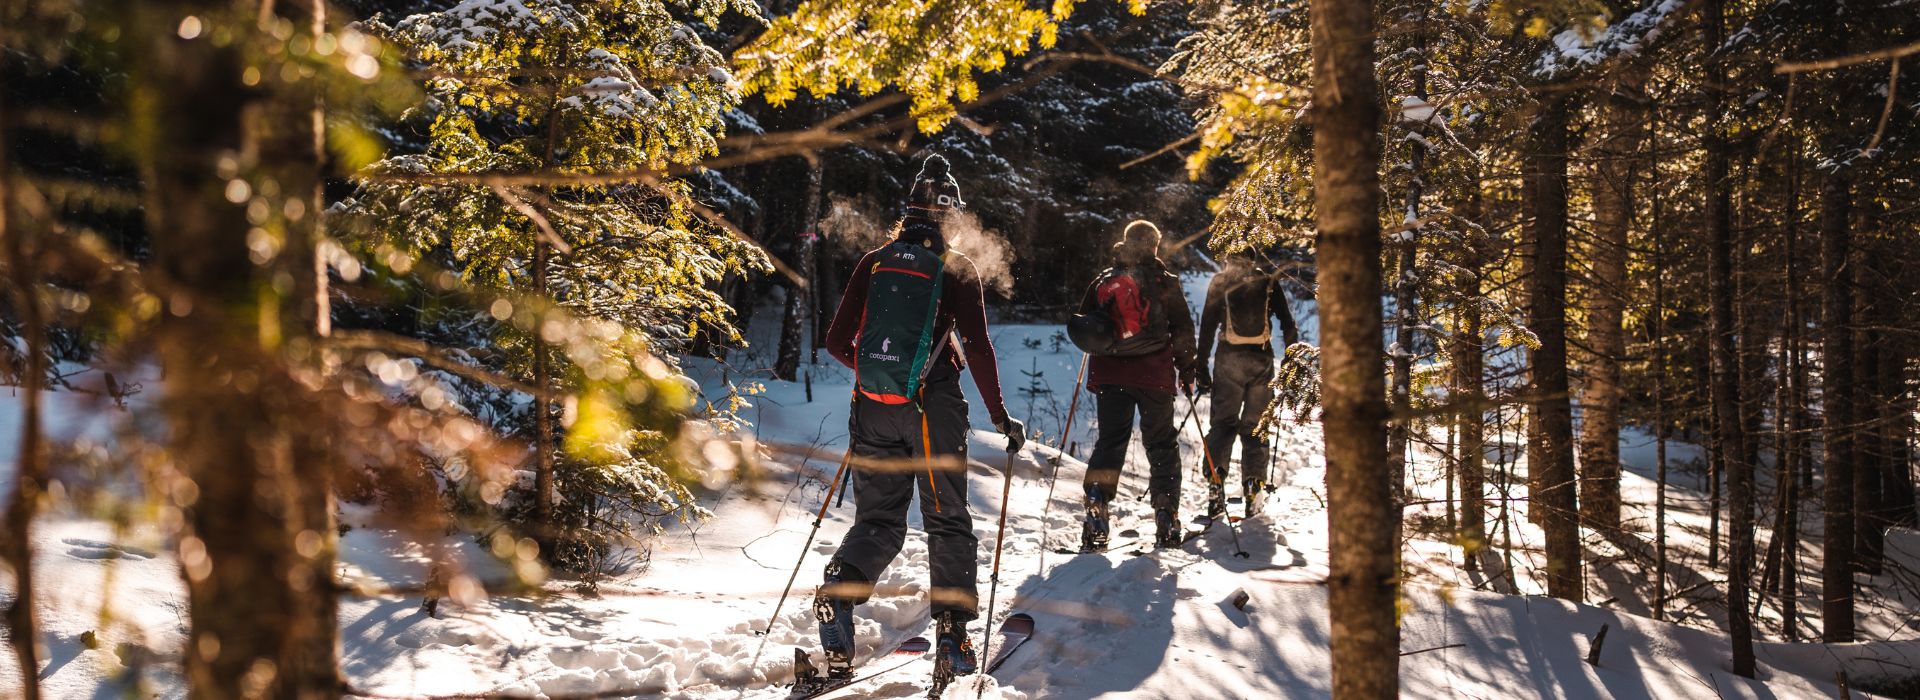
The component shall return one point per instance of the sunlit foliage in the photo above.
(929, 49)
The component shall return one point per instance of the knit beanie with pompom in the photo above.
(935, 194)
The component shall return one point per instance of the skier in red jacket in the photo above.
(888, 432)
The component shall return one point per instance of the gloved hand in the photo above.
(1015, 431)
(1203, 381)
(1187, 376)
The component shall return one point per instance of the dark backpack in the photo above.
(896, 329)
(1260, 286)
(1127, 320)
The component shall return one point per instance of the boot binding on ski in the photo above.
(1256, 498)
(1216, 500)
(1094, 535)
(835, 613)
(953, 653)
(955, 648)
(1167, 534)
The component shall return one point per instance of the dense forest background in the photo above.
(451, 257)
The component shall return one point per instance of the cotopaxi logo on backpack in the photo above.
(886, 346)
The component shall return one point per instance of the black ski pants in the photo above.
(1242, 388)
(1116, 406)
(890, 452)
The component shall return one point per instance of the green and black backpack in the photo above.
(892, 352)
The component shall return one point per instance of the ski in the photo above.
(809, 684)
(1015, 631)
(1185, 540)
(1124, 538)
(1113, 546)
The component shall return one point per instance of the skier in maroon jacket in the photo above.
(1142, 383)
(885, 431)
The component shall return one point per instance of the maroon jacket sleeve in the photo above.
(968, 301)
(842, 333)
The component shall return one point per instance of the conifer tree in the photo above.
(559, 92)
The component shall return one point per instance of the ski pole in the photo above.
(1046, 510)
(838, 479)
(1205, 449)
(1072, 407)
(993, 587)
(1233, 528)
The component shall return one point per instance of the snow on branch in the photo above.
(1575, 48)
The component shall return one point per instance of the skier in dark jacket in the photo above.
(1140, 384)
(900, 446)
(1240, 299)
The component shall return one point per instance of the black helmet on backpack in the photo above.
(1094, 333)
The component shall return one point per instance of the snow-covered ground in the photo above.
(689, 624)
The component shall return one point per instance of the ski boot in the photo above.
(953, 652)
(1166, 534)
(1094, 531)
(1256, 496)
(1216, 500)
(834, 610)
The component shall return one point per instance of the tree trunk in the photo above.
(1730, 447)
(1657, 365)
(1836, 399)
(1896, 502)
(793, 328)
(543, 443)
(1606, 340)
(30, 473)
(1870, 398)
(1550, 432)
(224, 390)
(1802, 460)
(1405, 320)
(1469, 363)
(1788, 411)
(1363, 580)
(289, 131)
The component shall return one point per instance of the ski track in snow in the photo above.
(1112, 625)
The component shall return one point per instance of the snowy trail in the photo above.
(688, 625)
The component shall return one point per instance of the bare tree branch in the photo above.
(434, 357)
(1844, 61)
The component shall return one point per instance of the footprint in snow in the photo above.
(97, 550)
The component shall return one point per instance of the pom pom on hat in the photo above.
(936, 166)
(935, 193)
